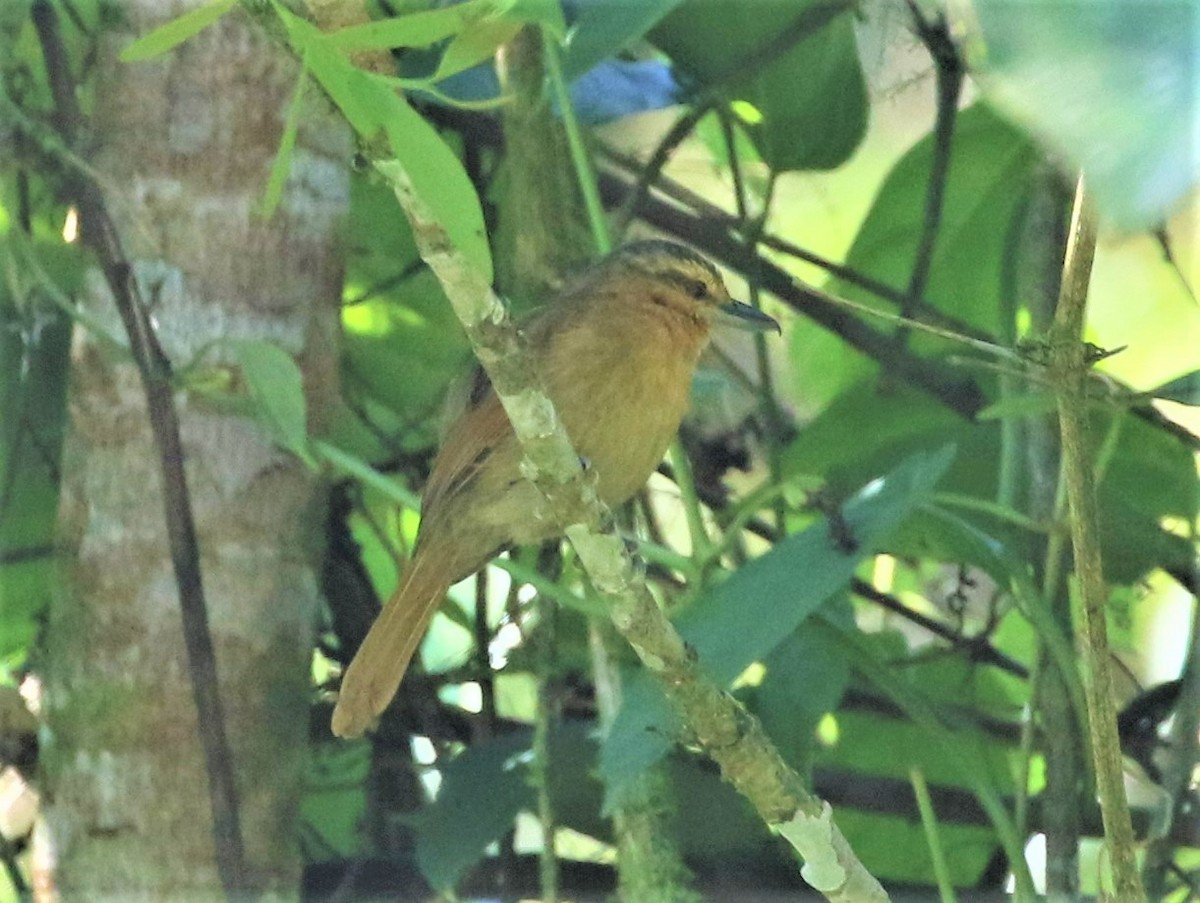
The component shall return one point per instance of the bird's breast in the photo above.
(621, 399)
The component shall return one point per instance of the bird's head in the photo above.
(675, 276)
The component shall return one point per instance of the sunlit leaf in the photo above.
(419, 29)
(476, 44)
(175, 32)
(374, 108)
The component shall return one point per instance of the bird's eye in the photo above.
(698, 290)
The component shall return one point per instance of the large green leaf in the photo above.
(1150, 477)
(335, 800)
(894, 849)
(743, 618)
(482, 791)
(811, 98)
(805, 678)
(989, 180)
(835, 448)
(1110, 86)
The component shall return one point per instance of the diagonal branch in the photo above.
(732, 737)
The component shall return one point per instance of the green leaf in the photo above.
(1184, 389)
(482, 791)
(474, 45)
(373, 106)
(402, 344)
(1109, 86)
(604, 29)
(441, 183)
(991, 171)
(287, 144)
(903, 421)
(893, 849)
(1150, 477)
(175, 32)
(811, 98)
(805, 679)
(277, 389)
(334, 805)
(34, 354)
(740, 620)
(420, 29)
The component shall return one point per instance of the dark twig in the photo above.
(648, 174)
(935, 35)
(740, 198)
(806, 24)
(483, 662)
(1163, 238)
(26, 553)
(99, 231)
(978, 648)
(387, 283)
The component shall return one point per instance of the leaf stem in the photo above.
(701, 543)
(579, 154)
(937, 855)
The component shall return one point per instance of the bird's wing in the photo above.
(472, 439)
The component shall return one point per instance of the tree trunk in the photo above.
(182, 146)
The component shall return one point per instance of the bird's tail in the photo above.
(375, 673)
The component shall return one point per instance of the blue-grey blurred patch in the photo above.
(608, 91)
(617, 88)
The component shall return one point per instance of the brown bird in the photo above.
(616, 353)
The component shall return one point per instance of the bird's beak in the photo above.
(743, 316)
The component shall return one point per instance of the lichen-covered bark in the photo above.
(182, 147)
